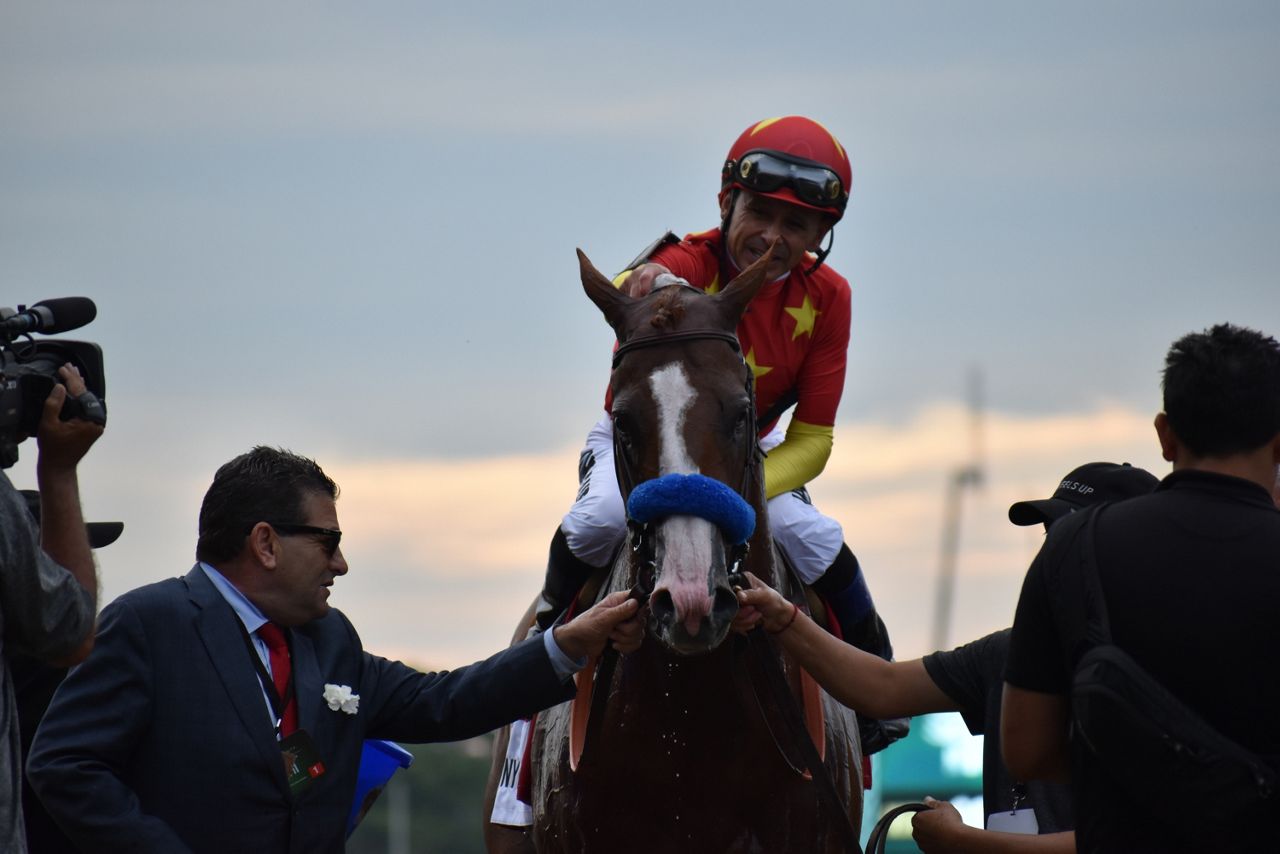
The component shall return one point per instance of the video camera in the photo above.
(29, 368)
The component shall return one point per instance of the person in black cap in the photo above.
(968, 680)
(48, 581)
(1091, 483)
(34, 682)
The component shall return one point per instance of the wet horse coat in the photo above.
(686, 751)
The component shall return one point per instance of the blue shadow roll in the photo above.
(693, 495)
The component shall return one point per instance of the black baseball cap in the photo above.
(100, 533)
(1091, 483)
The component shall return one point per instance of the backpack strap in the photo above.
(1097, 626)
(1078, 609)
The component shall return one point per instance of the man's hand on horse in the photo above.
(761, 605)
(645, 278)
(613, 618)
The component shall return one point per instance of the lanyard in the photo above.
(278, 703)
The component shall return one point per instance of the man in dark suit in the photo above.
(192, 728)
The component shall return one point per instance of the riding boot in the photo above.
(844, 589)
(566, 573)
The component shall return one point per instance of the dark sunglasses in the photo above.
(329, 537)
(765, 172)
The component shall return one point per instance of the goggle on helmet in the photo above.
(794, 159)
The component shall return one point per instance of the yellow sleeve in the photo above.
(799, 459)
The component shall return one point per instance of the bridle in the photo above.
(641, 534)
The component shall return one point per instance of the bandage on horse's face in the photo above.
(682, 406)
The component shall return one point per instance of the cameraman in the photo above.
(49, 587)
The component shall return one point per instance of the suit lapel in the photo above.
(220, 630)
(307, 682)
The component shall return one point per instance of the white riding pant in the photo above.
(597, 521)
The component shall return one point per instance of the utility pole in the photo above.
(398, 836)
(965, 477)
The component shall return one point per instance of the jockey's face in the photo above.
(307, 568)
(758, 220)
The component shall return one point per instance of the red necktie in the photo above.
(278, 648)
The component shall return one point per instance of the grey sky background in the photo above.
(349, 229)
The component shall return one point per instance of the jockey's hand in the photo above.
(612, 618)
(937, 828)
(761, 605)
(640, 282)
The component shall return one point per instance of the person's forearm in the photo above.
(864, 682)
(1033, 734)
(62, 530)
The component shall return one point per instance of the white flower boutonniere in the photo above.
(340, 698)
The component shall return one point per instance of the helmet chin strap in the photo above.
(726, 263)
(823, 253)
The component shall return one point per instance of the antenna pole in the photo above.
(965, 477)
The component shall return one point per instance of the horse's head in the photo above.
(685, 445)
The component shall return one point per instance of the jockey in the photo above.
(785, 179)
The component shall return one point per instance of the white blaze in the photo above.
(673, 395)
(687, 540)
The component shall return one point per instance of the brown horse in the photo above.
(680, 747)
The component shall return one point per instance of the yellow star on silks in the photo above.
(714, 287)
(804, 315)
(757, 371)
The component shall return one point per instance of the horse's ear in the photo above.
(745, 286)
(607, 298)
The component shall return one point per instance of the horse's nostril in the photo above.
(724, 606)
(662, 607)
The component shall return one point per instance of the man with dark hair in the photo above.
(1189, 577)
(48, 581)
(261, 484)
(967, 679)
(226, 710)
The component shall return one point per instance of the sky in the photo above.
(349, 230)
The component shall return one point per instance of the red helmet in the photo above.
(793, 159)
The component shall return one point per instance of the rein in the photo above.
(785, 701)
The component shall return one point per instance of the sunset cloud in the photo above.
(481, 527)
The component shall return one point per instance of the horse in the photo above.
(680, 746)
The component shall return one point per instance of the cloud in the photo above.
(446, 554)
(999, 109)
(462, 518)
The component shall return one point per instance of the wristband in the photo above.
(795, 609)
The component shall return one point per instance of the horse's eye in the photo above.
(622, 430)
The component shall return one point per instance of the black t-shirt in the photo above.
(1191, 578)
(973, 677)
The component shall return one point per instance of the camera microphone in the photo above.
(51, 316)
